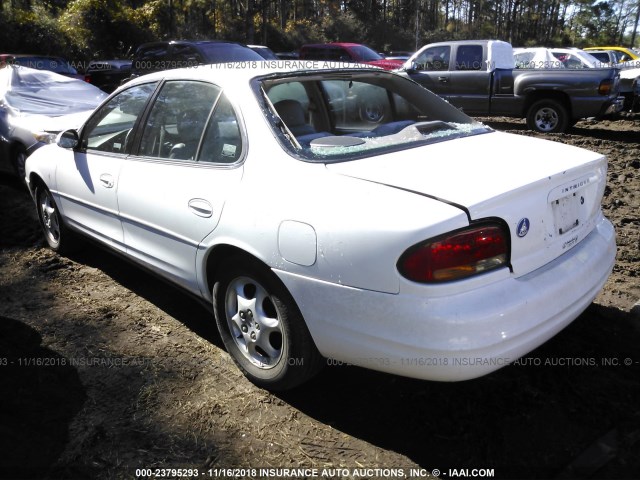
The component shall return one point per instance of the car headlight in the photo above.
(45, 137)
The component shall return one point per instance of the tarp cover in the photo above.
(32, 91)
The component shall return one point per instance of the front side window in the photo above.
(177, 120)
(434, 58)
(109, 129)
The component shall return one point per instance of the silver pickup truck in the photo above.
(480, 78)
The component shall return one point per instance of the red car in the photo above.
(347, 52)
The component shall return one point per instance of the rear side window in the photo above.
(469, 57)
(222, 142)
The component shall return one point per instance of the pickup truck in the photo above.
(539, 57)
(480, 78)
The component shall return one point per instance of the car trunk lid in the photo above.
(548, 193)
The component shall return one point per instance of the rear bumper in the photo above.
(455, 336)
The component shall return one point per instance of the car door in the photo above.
(88, 181)
(470, 82)
(172, 192)
(431, 69)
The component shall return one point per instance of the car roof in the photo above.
(462, 42)
(188, 42)
(228, 75)
(619, 49)
(332, 44)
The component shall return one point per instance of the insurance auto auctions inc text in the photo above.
(349, 473)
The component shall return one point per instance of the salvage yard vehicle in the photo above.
(34, 106)
(348, 53)
(542, 57)
(622, 54)
(425, 245)
(480, 77)
(168, 54)
(40, 62)
(107, 75)
(539, 57)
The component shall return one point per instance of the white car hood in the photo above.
(630, 73)
(511, 177)
(46, 123)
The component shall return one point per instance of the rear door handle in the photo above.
(443, 79)
(201, 207)
(106, 180)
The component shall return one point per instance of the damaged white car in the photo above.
(35, 105)
(340, 213)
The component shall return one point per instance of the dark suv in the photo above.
(152, 57)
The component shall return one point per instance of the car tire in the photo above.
(262, 327)
(547, 116)
(56, 234)
(19, 157)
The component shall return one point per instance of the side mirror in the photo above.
(412, 67)
(68, 139)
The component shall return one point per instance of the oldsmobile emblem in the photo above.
(523, 227)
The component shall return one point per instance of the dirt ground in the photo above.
(106, 371)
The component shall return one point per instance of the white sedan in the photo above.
(345, 213)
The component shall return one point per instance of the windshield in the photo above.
(343, 116)
(365, 54)
(228, 52)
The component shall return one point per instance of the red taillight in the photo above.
(87, 78)
(457, 255)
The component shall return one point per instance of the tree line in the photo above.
(89, 29)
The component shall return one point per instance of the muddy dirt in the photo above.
(106, 371)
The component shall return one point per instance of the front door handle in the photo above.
(443, 79)
(106, 180)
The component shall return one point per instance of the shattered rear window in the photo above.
(344, 115)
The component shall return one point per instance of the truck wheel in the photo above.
(547, 116)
